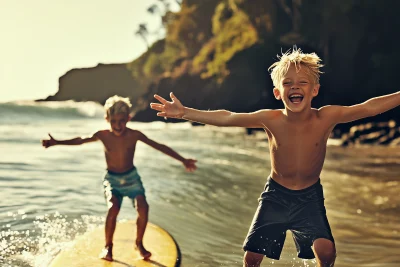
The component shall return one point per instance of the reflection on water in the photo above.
(48, 197)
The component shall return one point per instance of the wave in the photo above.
(26, 111)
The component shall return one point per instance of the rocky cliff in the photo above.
(97, 84)
(216, 54)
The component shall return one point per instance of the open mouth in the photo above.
(296, 98)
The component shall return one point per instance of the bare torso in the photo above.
(297, 149)
(119, 150)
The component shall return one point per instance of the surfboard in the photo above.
(86, 249)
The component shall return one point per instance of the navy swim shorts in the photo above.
(281, 209)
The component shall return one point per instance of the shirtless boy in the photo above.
(122, 178)
(293, 196)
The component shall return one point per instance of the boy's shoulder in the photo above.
(328, 110)
(102, 132)
(133, 131)
(271, 114)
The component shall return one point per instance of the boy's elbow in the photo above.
(80, 141)
(228, 119)
(372, 109)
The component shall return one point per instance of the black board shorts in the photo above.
(281, 209)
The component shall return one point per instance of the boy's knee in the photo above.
(325, 252)
(252, 259)
(142, 208)
(113, 211)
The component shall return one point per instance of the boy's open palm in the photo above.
(190, 165)
(173, 109)
(49, 142)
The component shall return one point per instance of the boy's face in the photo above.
(296, 89)
(118, 123)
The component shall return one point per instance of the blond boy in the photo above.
(122, 178)
(293, 196)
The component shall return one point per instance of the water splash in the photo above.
(49, 234)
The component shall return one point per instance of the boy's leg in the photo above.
(114, 205)
(267, 232)
(143, 214)
(252, 259)
(325, 252)
(310, 227)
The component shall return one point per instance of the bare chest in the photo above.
(119, 146)
(298, 145)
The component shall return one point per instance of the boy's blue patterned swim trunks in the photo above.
(127, 184)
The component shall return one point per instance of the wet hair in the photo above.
(116, 105)
(311, 62)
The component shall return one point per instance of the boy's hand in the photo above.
(49, 142)
(173, 109)
(190, 164)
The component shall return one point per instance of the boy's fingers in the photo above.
(50, 136)
(159, 98)
(173, 97)
(156, 106)
(161, 114)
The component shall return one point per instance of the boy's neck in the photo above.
(304, 115)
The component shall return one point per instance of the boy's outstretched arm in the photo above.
(371, 107)
(70, 142)
(190, 164)
(175, 109)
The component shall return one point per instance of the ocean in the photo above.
(49, 196)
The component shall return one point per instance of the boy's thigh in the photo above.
(113, 198)
(267, 232)
(140, 202)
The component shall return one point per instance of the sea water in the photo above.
(49, 196)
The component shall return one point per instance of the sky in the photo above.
(43, 39)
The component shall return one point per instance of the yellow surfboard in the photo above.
(86, 249)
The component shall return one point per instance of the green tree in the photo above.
(143, 33)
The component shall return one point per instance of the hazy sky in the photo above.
(43, 39)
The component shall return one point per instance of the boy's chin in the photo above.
(295, 108)
(118, 133)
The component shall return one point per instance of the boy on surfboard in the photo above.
(122, 178)
(293, 195)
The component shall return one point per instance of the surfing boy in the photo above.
(293, 196)
(122, 178)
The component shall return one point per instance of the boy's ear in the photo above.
(106, 117)
(277, 93)
(315, 90)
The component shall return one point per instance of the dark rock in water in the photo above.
(382, 133)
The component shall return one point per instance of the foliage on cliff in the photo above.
(209, 32)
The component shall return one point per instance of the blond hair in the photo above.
(117, 104)
(311, 62)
